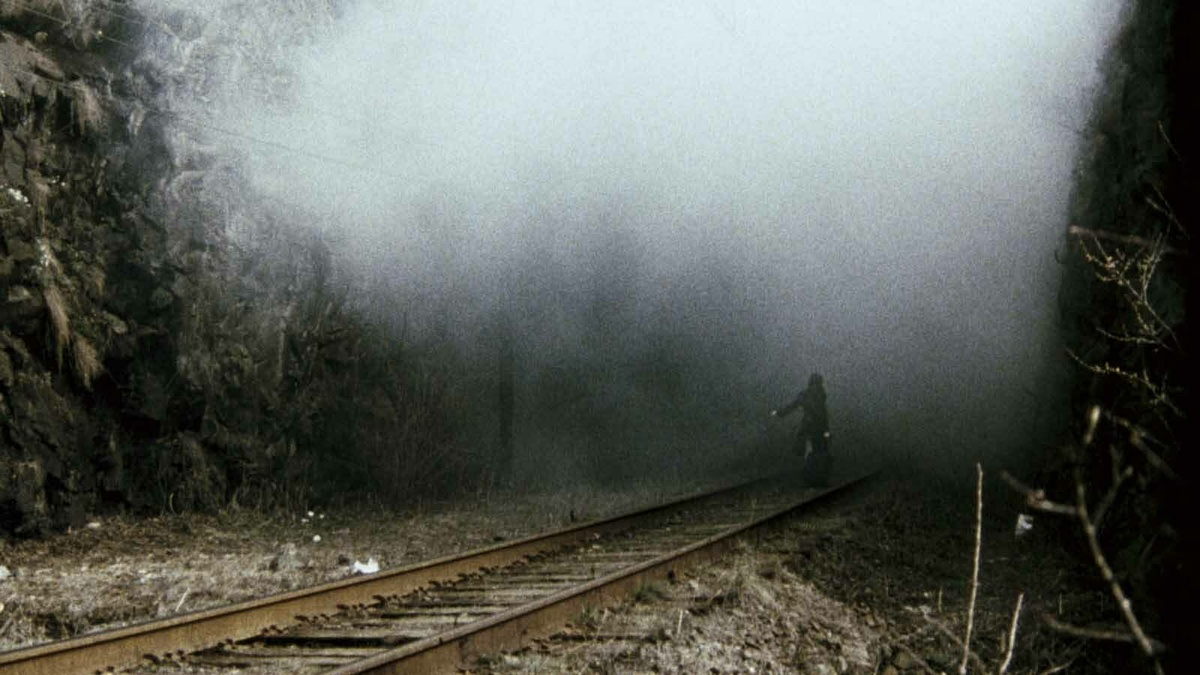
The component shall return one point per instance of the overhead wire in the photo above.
(122, 15)
(208, 126)
(189, 121)
(165, 29)
(67, 22)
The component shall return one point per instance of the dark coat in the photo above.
(816, 417)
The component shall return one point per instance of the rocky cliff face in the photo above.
(150, 358)
(85, 283)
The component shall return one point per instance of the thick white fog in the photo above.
(685, 207)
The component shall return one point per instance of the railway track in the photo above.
(436, 615)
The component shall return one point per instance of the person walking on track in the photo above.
(814, 431)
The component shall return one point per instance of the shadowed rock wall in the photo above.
(150, 359)
(85, 286)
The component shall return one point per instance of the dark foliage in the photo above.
(1124, 303)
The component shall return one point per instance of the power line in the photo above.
(186, 120)
(67, 22)
(277, 145)
(112, 12)
(196, 123)
(162, 28)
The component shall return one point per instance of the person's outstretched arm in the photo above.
(787, 409)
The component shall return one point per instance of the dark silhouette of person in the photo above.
(814, 431)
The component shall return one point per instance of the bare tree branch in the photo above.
(949, 634)
(1012, 636)
(1123, 603)
(1138, 438)
(1036, 499)
(1111, 496)
(1098, 633)
(1127, 239)
(1158, 393)
(962, 668)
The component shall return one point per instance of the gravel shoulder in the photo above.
(876, 583)
(117, 571)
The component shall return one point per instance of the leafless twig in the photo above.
(917, 658)
(1097, 633)
(1158, 393)
(1134, 274)
(950, 635)
(1058, 668)
(1123, 604)
(1090, 521)
(1138, 438)
(962, 668)
(182, 600)
(1012, 636)
(1162, 131)
(1111, 496)
(1036, 498)
(1164, 207)
(1128, 239)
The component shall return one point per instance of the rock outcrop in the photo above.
(84, 284)
(149, 359)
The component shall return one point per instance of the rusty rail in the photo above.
(451, 650)
(194, 631)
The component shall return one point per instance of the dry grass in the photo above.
(86, 361)
(60, 320)
(745, 614)
(124, 570)
(86, 110)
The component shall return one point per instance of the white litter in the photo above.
(316, 538)
(16, 195)
(923, 610)
(310, 514)
(4, 573)
(1024, 524)
(369, 567)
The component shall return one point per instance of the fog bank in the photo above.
(681, 209)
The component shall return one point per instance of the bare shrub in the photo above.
(1118, 480)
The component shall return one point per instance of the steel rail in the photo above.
(186, 633)
(454, 649)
